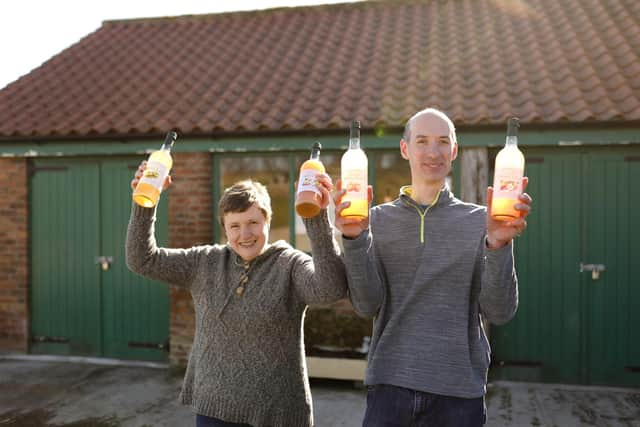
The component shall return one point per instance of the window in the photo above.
(273, 172)
(392, 172)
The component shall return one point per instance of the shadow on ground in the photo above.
(44, 393)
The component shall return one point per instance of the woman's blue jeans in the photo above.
(391, 406)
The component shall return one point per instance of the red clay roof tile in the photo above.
(316, 68)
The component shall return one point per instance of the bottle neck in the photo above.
(512, 132)
(354, 135)
(512, 141)
(315, 155)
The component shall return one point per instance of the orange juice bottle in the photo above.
(308, 197)
(147, 192)
(507, 179)
(354, 170)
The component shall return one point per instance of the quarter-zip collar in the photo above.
(406, 192)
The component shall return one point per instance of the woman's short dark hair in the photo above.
(241, 196)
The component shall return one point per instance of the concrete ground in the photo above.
(39, 391)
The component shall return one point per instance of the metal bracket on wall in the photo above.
(595, 269)
(104, 261)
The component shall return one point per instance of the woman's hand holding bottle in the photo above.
(325, 186)
(140, 171)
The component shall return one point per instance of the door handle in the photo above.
(104, 261)
(595, 269)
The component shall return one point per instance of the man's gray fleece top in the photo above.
(427, 276)
(247, 363)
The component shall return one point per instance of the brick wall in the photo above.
(14, 312)
(190, 223)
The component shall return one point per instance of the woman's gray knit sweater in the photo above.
(247, 363)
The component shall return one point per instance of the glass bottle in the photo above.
(354, 169)
(507, 179)
(308, 197)
(147, 192)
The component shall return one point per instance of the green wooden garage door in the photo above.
(573, 326)
(79, 213)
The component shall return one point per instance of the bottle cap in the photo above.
(355, 129)
(170, 139)
(315, 150)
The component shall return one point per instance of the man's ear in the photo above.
(454, 151)
(404, 149)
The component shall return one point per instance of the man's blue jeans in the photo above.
(204, 421)
(391, 406)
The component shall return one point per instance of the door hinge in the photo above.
(46, 339)
(535, 160)
(518, 363)
(150, 345)
(32, 170)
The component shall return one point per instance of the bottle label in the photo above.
(355, 182)
(308, 181)
(155, 174)
(507, 183)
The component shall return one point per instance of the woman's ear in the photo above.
(454, 151)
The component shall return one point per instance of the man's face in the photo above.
(430, 150)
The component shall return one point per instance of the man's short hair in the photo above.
(452, 129)
(241, 196)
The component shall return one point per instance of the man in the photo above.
(427, 266)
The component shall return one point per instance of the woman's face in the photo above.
(247, 232)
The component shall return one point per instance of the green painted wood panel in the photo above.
(80, 210)
(541, 342)
(570, 328)
(65, 292)
(135, 310)
(614, 298)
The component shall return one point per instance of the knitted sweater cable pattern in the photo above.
(247, 363)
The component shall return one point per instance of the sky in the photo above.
(33, 31)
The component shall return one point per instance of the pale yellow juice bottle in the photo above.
(147, 192)
(354, 170)
(308, 197)
(507, 179)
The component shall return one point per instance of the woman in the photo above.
(247, 364)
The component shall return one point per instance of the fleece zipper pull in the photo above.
(423, 214)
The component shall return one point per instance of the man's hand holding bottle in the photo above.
(349, 227)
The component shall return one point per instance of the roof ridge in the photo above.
(242, 13)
